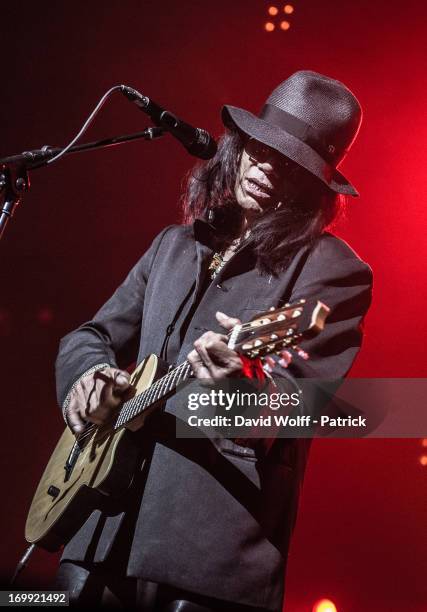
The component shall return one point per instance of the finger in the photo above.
(109, 399)
(126, 394)
(269, 364)
(197, 365)
(203, 362)
(118, 380)
(74, 420)
(121, 378)
(90, 393)
(99, 402)
(214, 353)
(302, 354)
(225, 321)
(210, 342)
(285, 358)
(219, 360)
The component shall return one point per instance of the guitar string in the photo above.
(146, 397)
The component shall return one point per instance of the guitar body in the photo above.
(77, 478)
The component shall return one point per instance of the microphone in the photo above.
(198, 142)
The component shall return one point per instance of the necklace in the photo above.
(219, 259)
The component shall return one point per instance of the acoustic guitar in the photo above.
(102, 460)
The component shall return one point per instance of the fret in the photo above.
(176, 373)
(163, 385)
(127, 414)
(120, 417)
(134, 406)
(156, 395)
(179, 375)
(186, 371)
(159, 389)
(150, 393)
(141, 401)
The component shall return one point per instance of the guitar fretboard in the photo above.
(271, 330)
(155, 392)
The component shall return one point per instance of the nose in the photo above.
(268, 165)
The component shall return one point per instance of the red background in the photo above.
(361, 535)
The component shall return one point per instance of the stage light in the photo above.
(423, 460)
(424, 442)
(324, 605)
(275, 19)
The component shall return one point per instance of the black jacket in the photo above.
(215, 518)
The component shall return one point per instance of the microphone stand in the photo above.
(14, 178)
(14, 181)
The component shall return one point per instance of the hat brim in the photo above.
(283, 142)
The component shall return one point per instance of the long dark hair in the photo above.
(278, 233)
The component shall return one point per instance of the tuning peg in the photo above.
(274, 337)
(258, 343)
(271, 308)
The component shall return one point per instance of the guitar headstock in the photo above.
(279, 329)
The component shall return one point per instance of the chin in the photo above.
(250, 204)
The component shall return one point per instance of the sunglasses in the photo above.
(260, 152)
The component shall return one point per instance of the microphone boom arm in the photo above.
(14, 179)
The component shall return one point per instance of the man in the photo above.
(207, 524)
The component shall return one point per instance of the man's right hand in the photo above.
(97, 397)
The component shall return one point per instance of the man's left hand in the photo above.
(211, 357)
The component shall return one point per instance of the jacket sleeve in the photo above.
(344, 283)
(112, 336)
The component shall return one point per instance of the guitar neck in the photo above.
(159, 390)
(268, 332)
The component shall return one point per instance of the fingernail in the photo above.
(121, 380)
(221, 314)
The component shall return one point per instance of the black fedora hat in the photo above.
(311, 119)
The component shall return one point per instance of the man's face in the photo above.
(265, 178)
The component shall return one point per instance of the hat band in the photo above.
(298, 128)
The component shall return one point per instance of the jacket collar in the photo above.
(204, 234)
